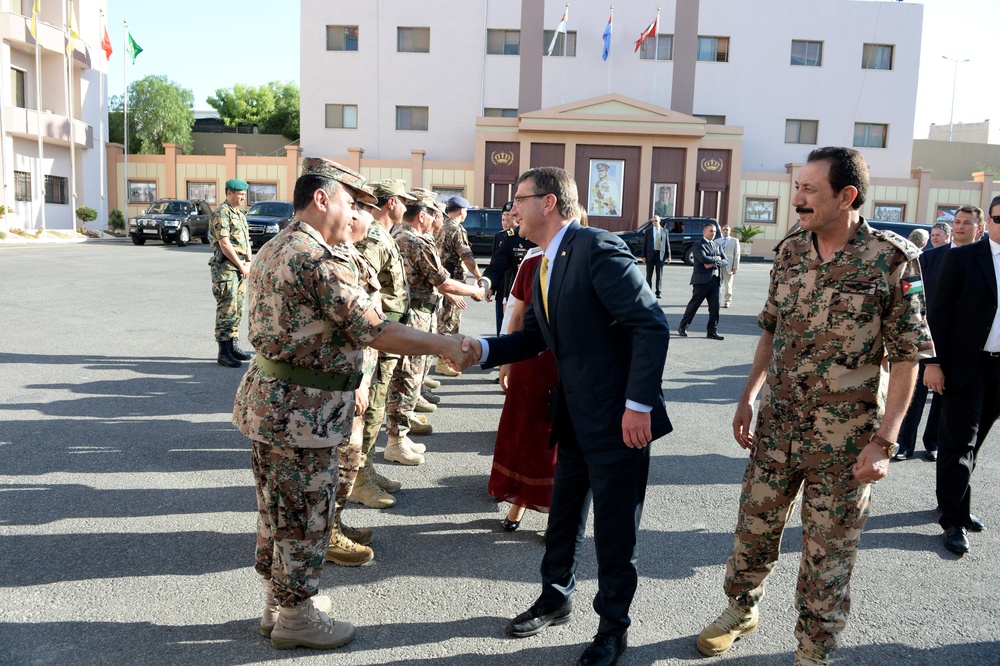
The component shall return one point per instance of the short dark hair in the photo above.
(975, 211)
(847, 167)
(307, 185)
(995, 202)
(412, 210)
(707, 225)
(553, 180)
(450, 208)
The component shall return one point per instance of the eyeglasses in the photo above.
(995, 218)
(518, 200)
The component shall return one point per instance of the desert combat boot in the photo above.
(270, 616)
(307, 626)
(735, 621)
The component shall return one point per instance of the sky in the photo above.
(205, 45)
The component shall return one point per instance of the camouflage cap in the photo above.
(427, 199)
(354, 181)
(391, 187)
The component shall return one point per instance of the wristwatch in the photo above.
(891, 448)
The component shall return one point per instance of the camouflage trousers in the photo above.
(349, 462)
(404, 387)
(449, 317)
(230, 291)
(834, 511)
(375, 414)
(296, 488)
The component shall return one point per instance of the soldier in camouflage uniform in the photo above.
(379, 249)
(310, 317)
(230, 264)
(456, 255)
(425, 276)
(843, 297)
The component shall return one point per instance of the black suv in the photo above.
(683, 232)
(172, 220)
(482, 224)
(266, 219)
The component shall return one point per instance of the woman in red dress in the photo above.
(523, 462)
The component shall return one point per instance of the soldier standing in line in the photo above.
(456, 255)
(498, 278)
(372, 488)
(426, 276)
(843, 297)
(230, 264)
(310, 318)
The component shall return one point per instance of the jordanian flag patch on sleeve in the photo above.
(912, 285)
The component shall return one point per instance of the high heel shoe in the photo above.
(510, 525)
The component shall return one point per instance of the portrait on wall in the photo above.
(760, 211)
(604, 192)
(885, 212)
(664, 196)
(946, 213)
(140, 191)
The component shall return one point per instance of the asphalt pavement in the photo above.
(127, 511)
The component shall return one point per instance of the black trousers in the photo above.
(618, 491)
(908, 429)
(654, 266)
(706, 290)
(967, 414)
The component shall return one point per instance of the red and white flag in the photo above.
(650, 31)
(106, 43)
(559, 28)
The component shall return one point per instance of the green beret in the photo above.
(237, 184)
(317, 166)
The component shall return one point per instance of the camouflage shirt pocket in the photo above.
(853, 307)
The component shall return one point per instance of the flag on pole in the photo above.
(607, 39)
(33, 28)
(74, 34)
(559, 28)
(132, 48)
(106, 43)
(650, 31)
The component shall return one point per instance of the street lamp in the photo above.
(954, 81)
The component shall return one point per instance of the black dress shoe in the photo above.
(682, 332)
(604, 651)
(931, 455)
(956, 540)
(534, 620)
(715, 336)
(975, 524)
(902, 455)
(510, 525)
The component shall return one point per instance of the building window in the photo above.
(22, 186)
(801, 131)
(342, 116)
(341, 38)
(503, 42)
(889, 212)
(567, 40)
(206, 191)
(411, 118)
(56, 190)
(413, 40)
(17, 78)
(877, 56)
(807, 54)
(870, 135)
(711, 119)
(660, 48)
(494, 112)
(22, 7)
(713, 49)
(446, 192)
(141, 191)
(261, 192)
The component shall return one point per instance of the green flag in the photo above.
(133, 49)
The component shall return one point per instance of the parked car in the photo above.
(266, 219)
(683, 232)
(172, 220)
(904, 229)
(482, 224)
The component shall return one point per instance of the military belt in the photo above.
(394, 316)
(423, 306)
(325, 381)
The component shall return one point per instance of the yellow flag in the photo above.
(33, 28)
(74, 34)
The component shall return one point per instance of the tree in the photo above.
(273, 107)
(159, 112)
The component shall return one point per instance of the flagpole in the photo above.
(656, 51)
(70, 49)
(125, 117)
(611, 23)
(565, 49)
(38, 128)
(103, 148)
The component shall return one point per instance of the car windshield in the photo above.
(169, 208)
(271, 209)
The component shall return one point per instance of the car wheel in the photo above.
(138, 240)
(204, 239)
(689, 256)
(183, 236)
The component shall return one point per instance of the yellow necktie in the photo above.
(543, 277)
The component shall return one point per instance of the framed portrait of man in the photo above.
(664, 197)
(604, 190)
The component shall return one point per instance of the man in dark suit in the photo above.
(966, 372)
(591, 307)
(969, 225)
(706, 278)
(655, 249)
